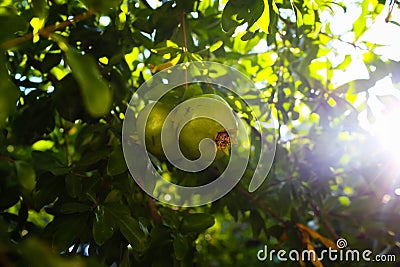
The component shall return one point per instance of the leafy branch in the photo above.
(47, 31)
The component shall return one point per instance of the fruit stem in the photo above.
(184, 40)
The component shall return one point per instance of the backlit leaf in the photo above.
(263, 21)
(181, 246)
(96, 94)
(26, 174)
(9, 94)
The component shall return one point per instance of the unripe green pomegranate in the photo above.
(194, 126)
(153, 127)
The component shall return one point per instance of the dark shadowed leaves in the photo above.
(103, 225)
(197, 222)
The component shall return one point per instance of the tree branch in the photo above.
(46, 31)
(8, 159)
(343, 41)
(387, 19)
(260, 204)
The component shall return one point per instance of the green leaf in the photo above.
(73, 184)
(125, 261)
(74, 207)
(236, 13)
(345, 63)
(9, 93)
(160, 235)
(43, 145)
(257, 223)
(181, 246)
(26, 174)
(216, 45)
(191, 91)
(116, 162)
(65, 229)
(67, 98)
(97, 96)
(360, 25)
(48, 161)
(102, 6)
(395, 23)
(129, 227)
(299, 17)
(91, 157)
(47, 189)
(255, 11)
(40, 8)
(309, 18)
(132, 231)
(264, 21)
(228, 23)
(114, 196)
(197, 222)
(103, 226)
(11, 24)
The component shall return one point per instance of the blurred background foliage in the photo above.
(68, 69)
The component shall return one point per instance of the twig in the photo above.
(184, 41)
(390, 10)
(154, 211)
(4, 260)
(260, 204)
(8, 159)
(330, 229)
(343, 41)
(326, 224)
(46, 31)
